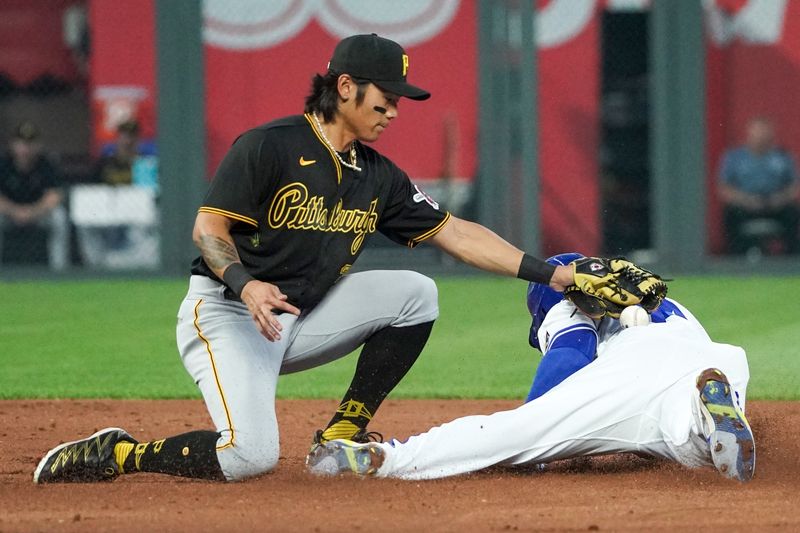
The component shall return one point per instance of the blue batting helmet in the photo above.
(541, 298)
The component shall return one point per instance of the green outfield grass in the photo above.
(115, 339)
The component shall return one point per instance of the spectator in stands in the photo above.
(759, 188)
(129, 160)
(31, 198)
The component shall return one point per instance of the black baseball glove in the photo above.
(607, 286)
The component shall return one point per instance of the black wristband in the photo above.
(536, 270)
(236, 277)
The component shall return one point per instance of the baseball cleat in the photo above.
(361, 436)
(730, 438)
(339, 455)
(89, 459)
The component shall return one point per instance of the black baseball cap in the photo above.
(130, 126)
(379, 60)
(26, 131)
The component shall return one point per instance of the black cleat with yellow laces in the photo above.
(87, 460)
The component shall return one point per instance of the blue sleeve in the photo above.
(147, 148)
(664, 311)
(570, 351)
(108, 150)
(727, 173)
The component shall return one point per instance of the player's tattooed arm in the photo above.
(264, 300)
(218, 252)
(221, 256)
(212, 235)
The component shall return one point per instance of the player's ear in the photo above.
(345, 86)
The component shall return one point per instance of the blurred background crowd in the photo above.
(79, 169)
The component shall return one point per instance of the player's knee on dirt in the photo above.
(249, 455)
(420, 298)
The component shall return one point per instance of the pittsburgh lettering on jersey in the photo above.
(294, 209)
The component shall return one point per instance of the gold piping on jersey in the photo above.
(216, 376)
(328, 148)
(293, 208)
(228, 214)
(430, 233)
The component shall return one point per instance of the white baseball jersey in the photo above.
(639, 395)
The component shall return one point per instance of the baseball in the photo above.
(634, 316)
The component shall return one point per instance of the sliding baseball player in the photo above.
(662, 388)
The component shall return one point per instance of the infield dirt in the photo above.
(621, 492)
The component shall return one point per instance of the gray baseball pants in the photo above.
(237, 369)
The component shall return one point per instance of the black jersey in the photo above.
(300, 217)
(27, 187)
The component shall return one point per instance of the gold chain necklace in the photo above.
(352, 164)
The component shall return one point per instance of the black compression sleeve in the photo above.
(536, 270)
(236, 277)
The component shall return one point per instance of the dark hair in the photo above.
(324, 95)
(129, 126)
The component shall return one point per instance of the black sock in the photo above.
(192, 454)
(385, 359)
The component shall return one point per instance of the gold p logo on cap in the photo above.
(405, 64)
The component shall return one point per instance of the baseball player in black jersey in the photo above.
(286, 216)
